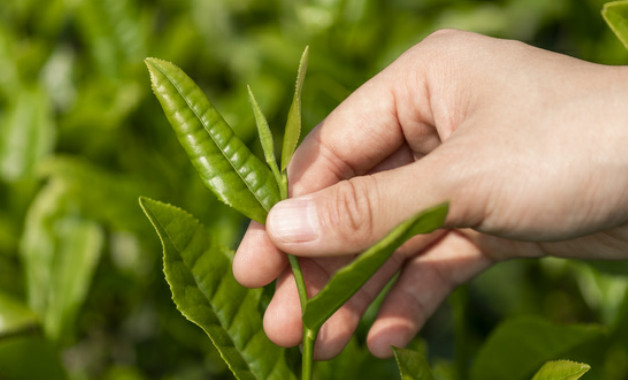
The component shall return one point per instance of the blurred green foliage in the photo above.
(81, 287)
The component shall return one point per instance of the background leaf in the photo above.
(226, 165)
(205, 291)
(15, 316)
(60, 251)
(519, 346)
(561, 370)
(412, 365)
(616, 15)
(30, 358)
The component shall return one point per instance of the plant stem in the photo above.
(298, 278)
(307, 361)
(309, 336)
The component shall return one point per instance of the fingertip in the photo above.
(282, 319)
(257, 261)
(386, 333)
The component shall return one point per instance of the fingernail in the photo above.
(294, 221)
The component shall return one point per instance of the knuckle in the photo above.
(353, 205)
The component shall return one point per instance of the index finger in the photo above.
(362, 131)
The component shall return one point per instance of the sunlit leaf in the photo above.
(14, 315)
(561, 370)
(206, 293)
(293, 124)
(616, 15)
(265, 138)
(348, 280)
(60, 251)
(225, 164)
(27, 134)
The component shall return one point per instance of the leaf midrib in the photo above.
(179, 251)
(200, 120)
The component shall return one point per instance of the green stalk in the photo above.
(309, 336)
(307, 356)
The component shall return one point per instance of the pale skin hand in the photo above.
(530, 148)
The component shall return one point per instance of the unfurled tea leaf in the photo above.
(225, 164)
(206, 293)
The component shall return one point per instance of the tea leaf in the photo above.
(14, 315)
(519, 346)
(225, 164)
(561, 370)
(616, 15)
(412, 365)
(266, 139)
(30, 358)
(60, 251)
(205, 292)
(293, 124)
(27, 134)
(348, 280)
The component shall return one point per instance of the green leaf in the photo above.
(266, 139)
(15, 316)
(412, 365)
(616, 15)
(561, 370)
(225, 164)
(60, 251)
(102, 195)
(79, 244)
(30, 358)
(27, 134)
(293, 124)
(206, 293)
(519, 346)
(348, 280)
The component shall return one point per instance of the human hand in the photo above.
(528, 146)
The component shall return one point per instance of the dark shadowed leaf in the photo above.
(520, 346)
(30, 358)
(412, 365)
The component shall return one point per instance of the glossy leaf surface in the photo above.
(348, 280)
(412, 365)
(518, 347)
(293, 124)
(616, 15)
(225, 164)
(562, 370)
(206, 293)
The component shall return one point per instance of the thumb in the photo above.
(351, 215)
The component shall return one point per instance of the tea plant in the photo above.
(205, 291)
(200, 279)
